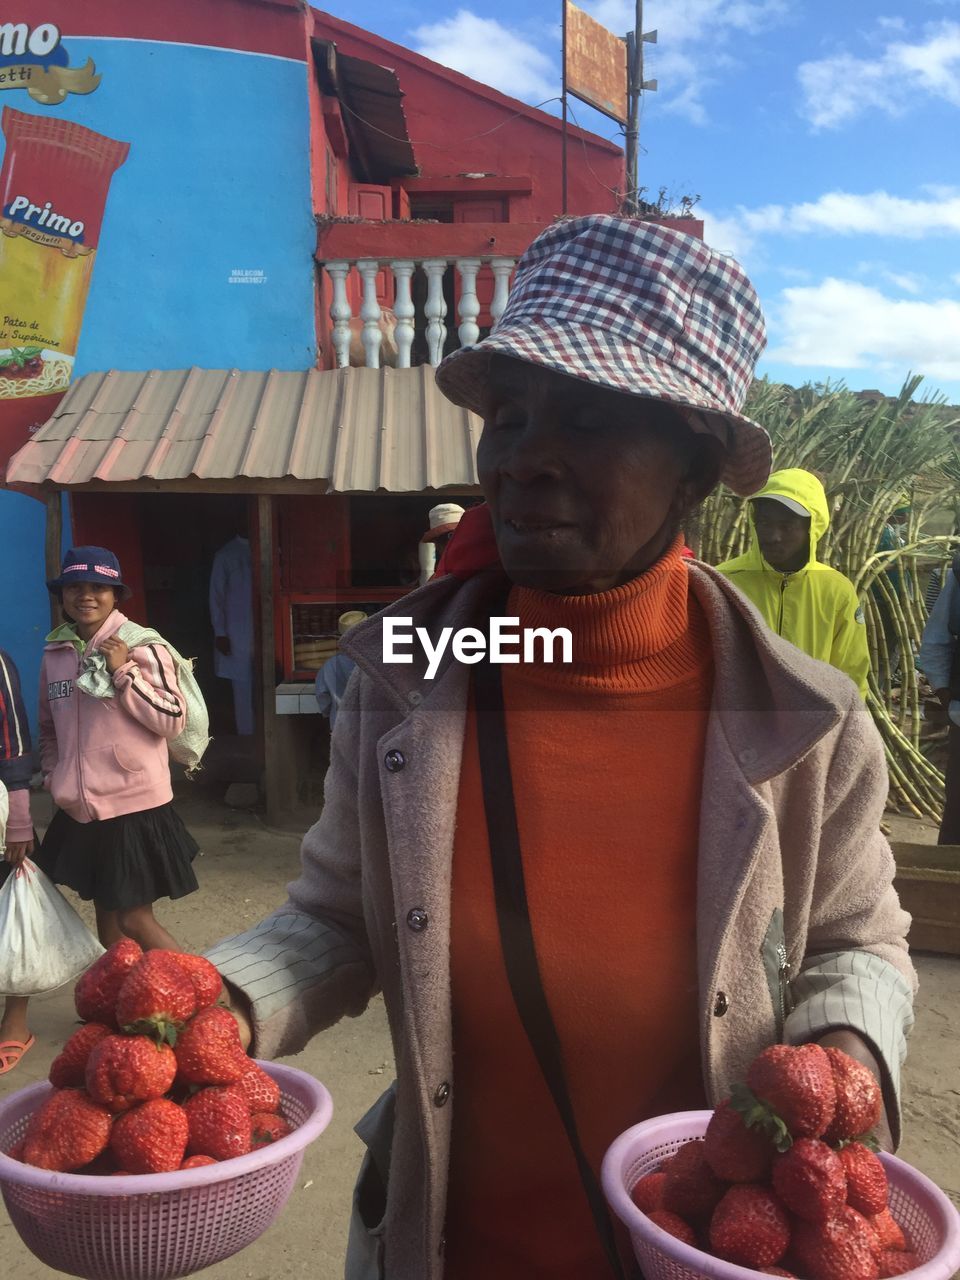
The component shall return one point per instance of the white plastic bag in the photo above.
(43, 942)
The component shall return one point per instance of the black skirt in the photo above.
(128, 861)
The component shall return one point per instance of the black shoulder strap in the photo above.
(516, 935)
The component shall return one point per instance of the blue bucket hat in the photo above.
(90, 564)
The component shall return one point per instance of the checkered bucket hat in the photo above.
(641, 309)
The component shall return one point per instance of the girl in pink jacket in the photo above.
(115, 837)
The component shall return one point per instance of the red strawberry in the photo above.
(647, 1194)
(96, 991)
(673, 1225)
(219, 1123)
(198, 1162)
(810, 1180)
(888, 1230)
(690, 1188)
(69, 1131)
(895, 1262)
(151, 1138)
(263, 1092)
(749, 1227)
(859, 1099)
(796, 1082)
(266, 1128)
(845, 1248)
(207, 982)
(157, 997)
(735, 1151)
(67, 1069)
(867, 1187)
(209, 1051)
(124, 1070)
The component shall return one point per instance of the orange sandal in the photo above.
(12, 1051)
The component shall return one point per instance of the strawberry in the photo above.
(208, 1049)
(124, 1070)
(810, 1180)
(797, 1084)
(219, 1122)
(207, 982)
(157, 997)
(735, 1151)
(674, 1226)
(845, 1248)
(151, 1138)
(749, 1227)
(867, 1187)
(859, 1099)
(647, 1194)
(263, 1092)
(96, 991)
(266, 1127)
(690, 1188)
(68, 1131)
(198, 1162)
(896, 1262)
(888, 1230)
(67, 1069)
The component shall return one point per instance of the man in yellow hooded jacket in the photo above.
(808, 603)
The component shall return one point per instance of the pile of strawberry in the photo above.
(156, 1079)
(784, 1181)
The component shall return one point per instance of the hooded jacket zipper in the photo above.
(783, 983)
(783, 588)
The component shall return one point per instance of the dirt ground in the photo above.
(243, 871)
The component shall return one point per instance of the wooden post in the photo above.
(52, 545)
(268, 657)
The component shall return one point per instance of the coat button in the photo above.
(441, 1094)
(417, 919)
(394, 761)
(721, 1004)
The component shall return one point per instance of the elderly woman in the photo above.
(633, 871)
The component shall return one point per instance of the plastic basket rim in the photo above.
(14, 1171)
(686, 1255)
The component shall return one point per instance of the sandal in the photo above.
(12, 1051)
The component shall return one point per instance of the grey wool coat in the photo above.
(799, 929)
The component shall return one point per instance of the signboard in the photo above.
(595, 63)
(33, 58)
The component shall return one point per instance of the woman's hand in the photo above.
(234, 1001)
(115, 652)
(857, 1048)
(17, 850)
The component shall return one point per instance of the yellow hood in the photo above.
(802, 487)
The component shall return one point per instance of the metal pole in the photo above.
(563, 119)
(631, 141)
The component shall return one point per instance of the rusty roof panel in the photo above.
(351, 430)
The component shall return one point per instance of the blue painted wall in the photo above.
(217, 182)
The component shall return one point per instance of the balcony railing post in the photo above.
(435, 309)
(469, 306)
(370, 312)
(403, 309)
(340, 312)
(501, 268)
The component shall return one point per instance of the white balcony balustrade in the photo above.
(395, 312)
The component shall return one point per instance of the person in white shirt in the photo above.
(231, 612)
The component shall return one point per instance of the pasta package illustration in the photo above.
(53, 190)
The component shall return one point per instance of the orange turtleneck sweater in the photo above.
(607, 758)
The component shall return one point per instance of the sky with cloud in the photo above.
(822, 139)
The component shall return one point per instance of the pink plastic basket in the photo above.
(158, 1225)
(928, 1218)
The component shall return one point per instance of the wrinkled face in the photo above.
(89, 604)
(586, 486)
(784, 536)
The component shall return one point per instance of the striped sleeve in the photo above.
(147, 689)
(16, 751)
(862, 992)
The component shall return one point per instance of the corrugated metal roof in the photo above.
(355, 430)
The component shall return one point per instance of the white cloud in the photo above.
(489, 52)
(843, 213)
(842, 324)
(840, 87)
